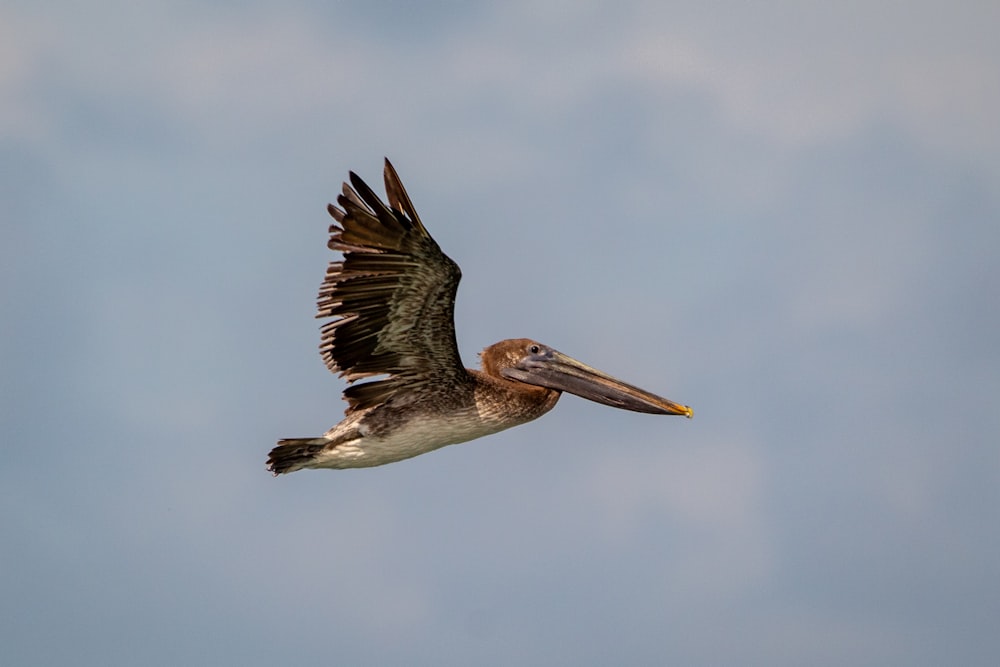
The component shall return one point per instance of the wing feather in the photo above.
(392, 297)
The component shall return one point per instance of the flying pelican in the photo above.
(393, 297)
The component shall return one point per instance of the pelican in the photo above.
(392, 300)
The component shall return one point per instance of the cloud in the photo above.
(709, 488)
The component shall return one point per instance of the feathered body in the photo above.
(414, 423)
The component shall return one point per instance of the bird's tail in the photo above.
(294, 454)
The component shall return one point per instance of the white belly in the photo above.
(412, 438)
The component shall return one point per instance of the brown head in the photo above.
(530, 362)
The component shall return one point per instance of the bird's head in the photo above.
(530, 362)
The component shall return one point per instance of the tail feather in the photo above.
(294, 454)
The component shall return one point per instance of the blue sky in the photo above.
(785, 216)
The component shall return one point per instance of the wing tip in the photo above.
(399, 200)
(336, 213)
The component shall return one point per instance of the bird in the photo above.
(390, 306)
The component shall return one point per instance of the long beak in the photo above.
(555, 370)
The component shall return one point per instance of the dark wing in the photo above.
(393, 296)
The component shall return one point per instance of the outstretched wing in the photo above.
(393, 297)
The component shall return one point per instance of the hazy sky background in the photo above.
(786, 215)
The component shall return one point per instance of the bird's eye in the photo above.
(534, 349)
